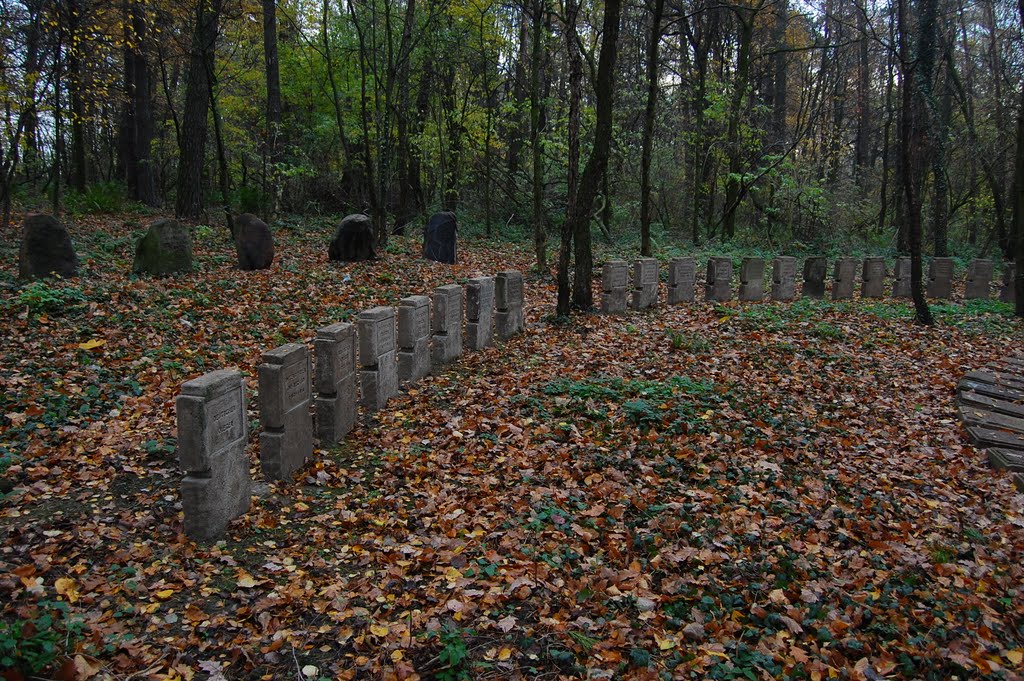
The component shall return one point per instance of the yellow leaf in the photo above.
(1015, 656)
(397, 656)
(92, 344)
(67, 588)
(452, 574)
(664, 643)
(379, 629)
(165, 594)
(504, 653)
(86, 669)
(245, 580)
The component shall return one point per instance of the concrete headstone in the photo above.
(378, 373)
(784, 278)
(752, 280)
(165, 249)
(901, 283)
(413, 338)
(212, 434)
(815, 271)
(508, 303)
(645, 284)
(479, 312)
(979, 279)
(335, 350)
(614, 283)
(1008, 291)
(46, 249)
(873, 278)
(718, 286)
(286, 442)
(682, 280)
(843, 278)
(446, 342)
(940, 278)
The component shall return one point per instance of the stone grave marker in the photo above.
(901, 285)
(508, 301)
(165, 249)
(873, 278)
(614, 277)
(815, 271)
(446, 343)
(1008, 292)
(440, 238)
(718, 286)
(843, 278)
(285, 396)
(335, 350)
(378, 373)
(254, 244)
(682, 278)
(784, 278)
(752, 280)
(940, 278)
(354, 240)
(46, 249)
(413, 338)
(979, 279)
(212, 434)
(479, 312)
(645, 284)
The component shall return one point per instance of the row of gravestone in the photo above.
(640, 290)
(166, 248)
(375, 352)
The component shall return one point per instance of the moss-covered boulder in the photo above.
(165, 249)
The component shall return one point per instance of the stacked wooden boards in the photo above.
(991, 405)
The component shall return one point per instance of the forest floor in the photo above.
(733, 491)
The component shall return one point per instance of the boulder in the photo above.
(440, 237)
(254, 243)
(354, 240)
(165, 249)
(46, 249)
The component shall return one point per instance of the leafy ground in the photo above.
(757, 491)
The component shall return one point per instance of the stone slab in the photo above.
(508, 302)
(446, 342)
(380, 383)
(873, 278)
(645, 284)
(979, 280)
(783, 278)
(843, 278)
(993, 437)
(682, 279)
(815, 272)
(479, 312)
(1008, 291)
(377, 335)
(718, 284)
(940, 278)
(414, 363)
(1006, 459)
(752, 280)
(335, 403)
(413, 320)
(901, 282)
(614, 280)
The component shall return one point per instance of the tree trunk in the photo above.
(862, 144)
(536, 113)
(654, 42)
(572, 180)
(138, 129)
(273, 74)
(1018, 199)
(745, 16)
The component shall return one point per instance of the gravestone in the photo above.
(165, 249)
(335, 349)
(212, 434)
(440, 238)
(1008, 291)
(873, 278)
(979, 279)
(446, 343)
(718, 286)
(479, 312)
(645, 284)
(751, 280)
(614, 276)
(46, 249)
(378, 374)
(254, 244)
(940, 278)
(354, 240)
(901, 284)
(815, 271)
(413, 338)
(285, 396)
(784, 278)
(843, 278)
(682, 278)
(508, 301)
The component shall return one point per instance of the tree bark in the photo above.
(273, 76)
(1018, 199)
(647, 144)
(572, 180)
(536, 114)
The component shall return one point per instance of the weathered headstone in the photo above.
(979, 279)
(440, 238)
(508, 302)
(254, 244)
(682, 278)
(940, 278)
(378, 374)
(901, 285)
(354, 240)
(165, 249)
(1008, 291)
(843, 278)
(446, 343)
(212, 434)
(335, 349)
(718, 286)
(645, 284)
(872, 283)
(784, 278)
(614, 277)
(815, 271)
(413, 338)
(479, 312)
(752, 280)
(285, 395)
(46, 249)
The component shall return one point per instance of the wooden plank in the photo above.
(992, 437)
(1005, 459)
(970, 398)
(1012, 364)
(990, 390)
(974, 416)
(996, 378)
